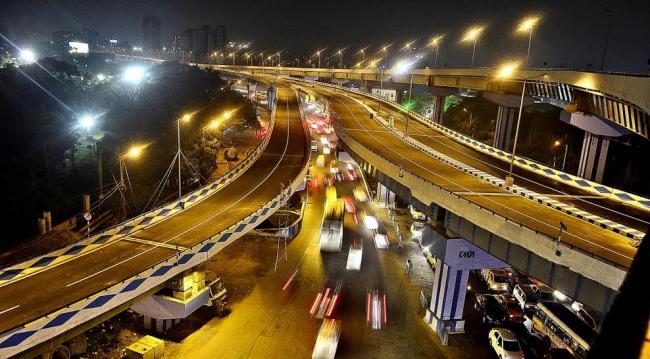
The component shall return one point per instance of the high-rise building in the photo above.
(151, 33)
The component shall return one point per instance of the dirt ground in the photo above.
(240, 266)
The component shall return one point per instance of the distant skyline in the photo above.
(572, 32)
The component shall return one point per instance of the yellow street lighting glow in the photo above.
(186, 117)
(528, 24)
(436, 40)
(135, 151)
(473, 33)
(507, 70)
(556, 143)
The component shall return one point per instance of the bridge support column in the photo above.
(445, 313)
(455, 257)
(385, 197)
(593, 157)
(506, 117)
(438, 109)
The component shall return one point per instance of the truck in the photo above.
(331, 231)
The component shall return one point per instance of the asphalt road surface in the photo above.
(86, 274)
(588, 237)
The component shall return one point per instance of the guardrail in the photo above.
(42, 329)
(132, 225)
(595, 188)
(356, 147)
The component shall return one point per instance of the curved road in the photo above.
(356, 121)
(33, 297)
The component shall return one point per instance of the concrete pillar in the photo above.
(445, 311)
(438, 109)
(506, 117)
(593, 157)
(385, 197)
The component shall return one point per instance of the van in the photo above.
(526, 295)
(497, 280)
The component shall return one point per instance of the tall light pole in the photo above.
(472, 35)
(262, 58)
(279, 59)
(186, 118)
(133, 152)
(436, 42)
(318, 54)
(526, 26)
(232, 54)
(566, 149)
(409, 46)
(506, 71)
(381, 89)
(340, 53)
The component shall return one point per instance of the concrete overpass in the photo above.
(50, 299)
(515, 229)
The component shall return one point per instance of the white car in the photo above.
(505, 343)
(327, 340)
(417, 215)
(416, 229)
(354, 257)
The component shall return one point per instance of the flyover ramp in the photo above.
(49, 302)
(600, 254)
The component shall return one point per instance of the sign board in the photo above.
(78, 47)
(389, 94)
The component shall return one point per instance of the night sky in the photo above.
(572, 32)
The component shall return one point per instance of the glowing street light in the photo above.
(340, 53)
(435, 42)
(28, 56)
(134, 74)
(232, 54)
(527, 25)
(87, 122)
(472, 35)
(262, 57)
(558, 143)
(408, 46)
(318, 54)
(507, 70)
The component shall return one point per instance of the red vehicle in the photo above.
(326, 301)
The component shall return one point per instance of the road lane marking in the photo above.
(175, 247)
(489, 200)
(10, 309)
(286, 146)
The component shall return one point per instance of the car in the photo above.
(416, 229)
(327, 340)
(518, 278)
(326, 300)
(514, 313)
(417, 215)
(490, 309)
(376, 312)
(505, 343)
(496, 279)
(526, 295)
(360, 194)
(354, 256)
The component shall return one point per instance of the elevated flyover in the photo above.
(620, 98)
(61, 294)
(514, 228)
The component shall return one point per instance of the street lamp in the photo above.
(28, 56)
(232, 54)
(527, 25)
(185, 118)
(318, 54)
(472, 35)
(401, 68)
(436, 42)
(409, 46)
(566, 149)
(340, 53)
(504, 72)
(248, 57)
(262, 57)
(134, 74)
(87, 122)
(279, 58)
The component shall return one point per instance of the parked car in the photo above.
(505, 343)
(416, 229)
(490, 308)
(417, 215)
(514, 313)
(526, 295)
(517, 278)
(496, 279)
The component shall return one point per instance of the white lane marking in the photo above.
(503, 170)
(489, 200)
(154, 243)
(286, 145)
(10, 309)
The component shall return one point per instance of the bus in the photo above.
(563, 328)
(331, 232)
